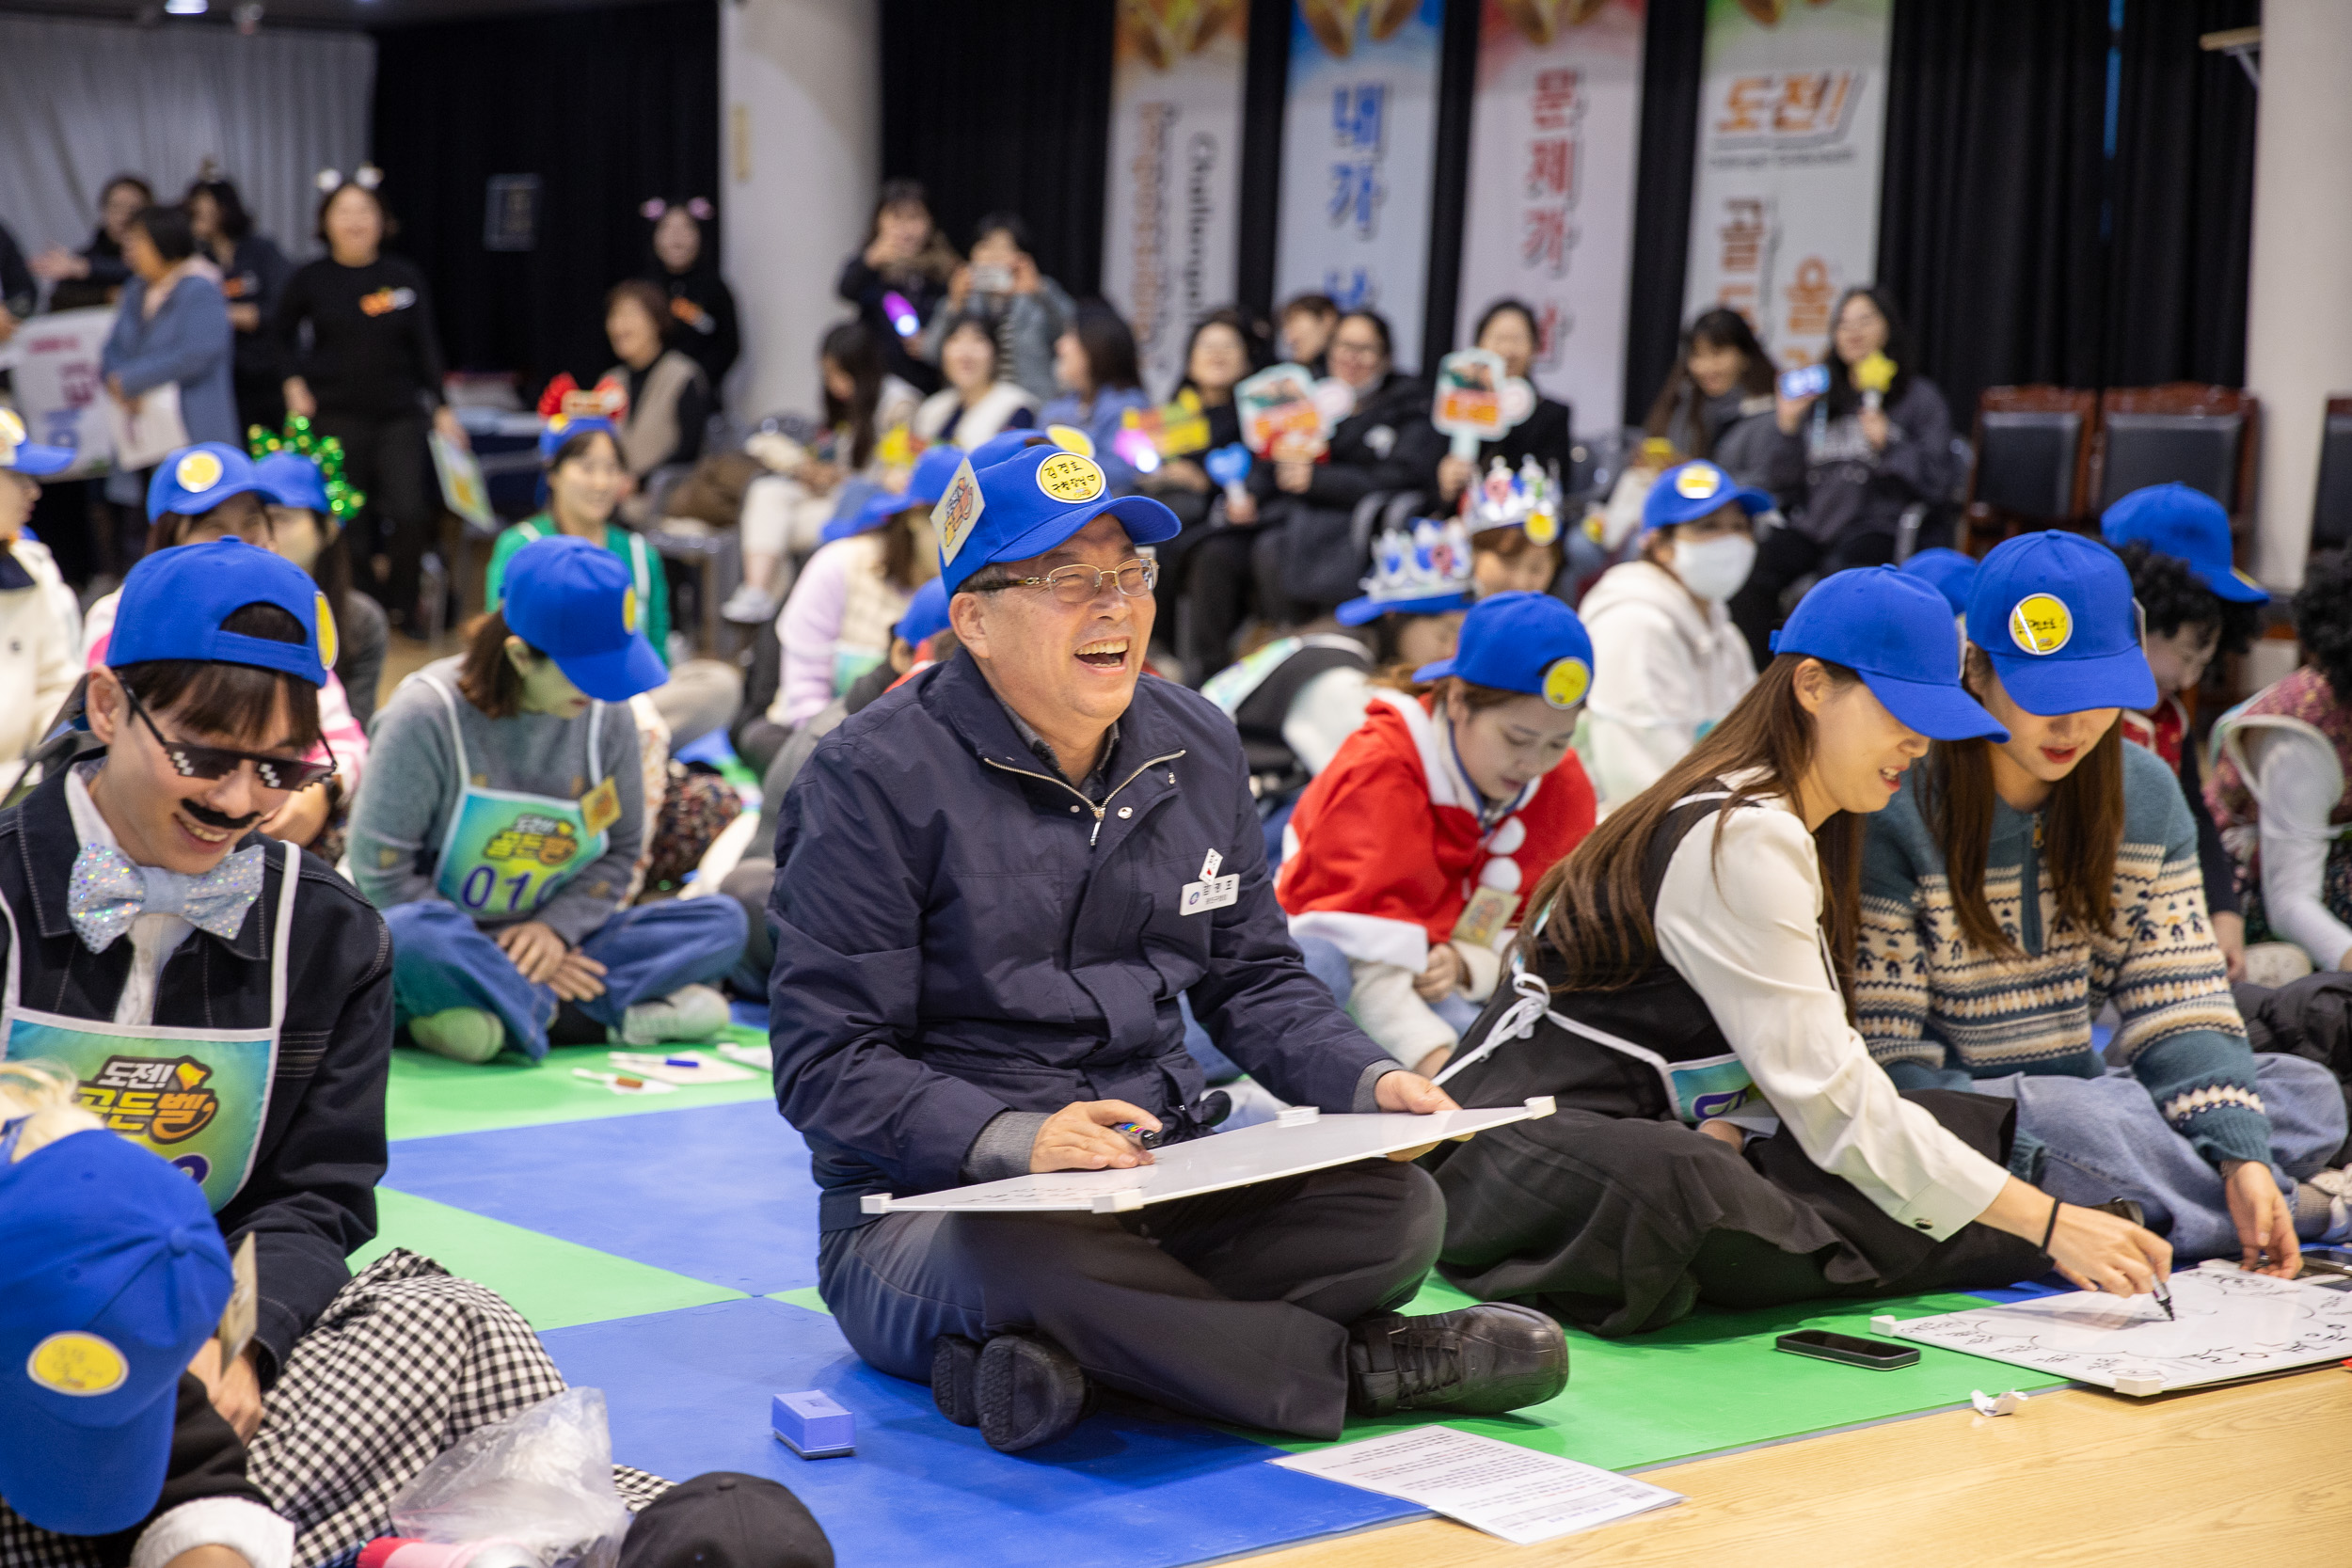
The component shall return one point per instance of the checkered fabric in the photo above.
(404, 1361)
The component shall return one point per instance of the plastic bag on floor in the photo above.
(541, 1480)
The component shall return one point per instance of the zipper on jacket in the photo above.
(2029, 893)
(1111, 795)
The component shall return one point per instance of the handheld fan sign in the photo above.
(1281, 415)
(1478, 400)
(1178, 428)
(1872, 377)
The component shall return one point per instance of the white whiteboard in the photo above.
(2227, 1325)
(1301, 1141)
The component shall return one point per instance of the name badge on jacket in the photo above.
(1212, 892)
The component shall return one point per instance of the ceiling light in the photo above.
(186, 7)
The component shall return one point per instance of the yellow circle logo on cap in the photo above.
(196, 472)
(77, 1363)
(1071, 438)
(1567, 681)
(2040, 624)
(1068, 478)
(11, 428)
(1697, 482)
(329, 644)
(1542, 528)
(629, 609)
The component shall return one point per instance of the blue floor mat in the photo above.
(718, 1193)
(751, 1015)
(688, 1392)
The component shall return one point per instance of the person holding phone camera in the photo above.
(1025, 310)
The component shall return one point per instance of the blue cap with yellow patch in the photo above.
(20, 454)
(174, 601)
(577, 603)
(1521, 642)
(1689, 491)
(1030, 502)
(197, 479)
(2055, 612)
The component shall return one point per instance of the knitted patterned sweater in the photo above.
(1938, 1013)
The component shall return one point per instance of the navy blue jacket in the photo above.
(955, 939)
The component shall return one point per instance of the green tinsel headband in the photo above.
(343, 501)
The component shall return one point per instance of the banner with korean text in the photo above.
(1168, 240)
(1358, 141)
(1783, 215)
(1554, 133)
(60, 389)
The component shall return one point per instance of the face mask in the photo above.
(1715, 568)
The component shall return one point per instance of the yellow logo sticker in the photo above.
(1068, 478)
(329, 644)
(1542, 529)
(77, 1363)
(1071, 438)
(600, 807)
(957, 511)
(629, 609)
(11, 435)
(1567, 681)
(196, 472)
(1698, 480)
(2040, 624)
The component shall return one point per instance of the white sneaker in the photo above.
(689, 1013)
(750, 606)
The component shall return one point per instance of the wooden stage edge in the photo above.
(2077, 1476)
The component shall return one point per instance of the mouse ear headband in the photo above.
(367, 177)
(698, 208)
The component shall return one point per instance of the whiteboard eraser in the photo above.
(1118, 1202)
(1297, 1115)
(2138, 1385)
(1885, 1323)
(1540, 1105)
(874, 1203)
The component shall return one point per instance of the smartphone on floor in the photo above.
(1847, 1348)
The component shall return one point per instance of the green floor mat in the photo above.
(430, 1095)
(552, 1283)
(806, 1296)
(1713, 1382)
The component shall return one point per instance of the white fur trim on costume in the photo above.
(1447, 788)
(246, 1528)
(1508, 837)
(1371, 938)
(1502, 873)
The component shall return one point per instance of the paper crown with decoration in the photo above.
(1527, 501)
(324, 453)
(1421, 569)
(571, 410)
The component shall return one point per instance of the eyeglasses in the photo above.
(1077, 585)
(191, 761)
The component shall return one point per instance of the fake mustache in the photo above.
(211, 818)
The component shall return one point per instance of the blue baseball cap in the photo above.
(174, 601)
(1896, 633)
(926, 613)
(197, 479)
(1002, 445)
(19, 454)
(577, 603)
(290, 479)
(1948, 572)
(561, 428)
(2177, 520)
(1689, 491)
(1521, 642)
(2055, 612)
(112, 1277)
(1032, 502)
(933, 471)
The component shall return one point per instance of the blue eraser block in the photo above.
(812, 1425)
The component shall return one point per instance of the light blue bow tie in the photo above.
(109, 891)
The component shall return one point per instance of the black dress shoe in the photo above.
(955, 1378)
(1030, 1392)
(1483, 1360)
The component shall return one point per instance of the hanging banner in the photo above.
(1359, 135)
(1169, 238)
(1785, 213)
(60, 392)
(1554, 131)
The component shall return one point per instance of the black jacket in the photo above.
(1386, 444)
(863, 286)
(1543, 435)
(310, 1200)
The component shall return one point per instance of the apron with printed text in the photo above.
(506, 850)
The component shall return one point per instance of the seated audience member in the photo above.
(1514, 522)
(1847, 462)
(1308, 321)
(1722, 1134)
(699, 299)
(309, 508)
(1508, 329)
(1217, 358)
(2276, 793)
(41, 660)
(2193, 605)
(975, 405)
(509, 809)
(905, 254)
(784, 512)
(585, 478)
(925, 1037)
(1949, 573)
(669, 398)
(1094, 363)
(1023, 311)
(2014, 888)
(1410, 851)
(1717, 403)
(1676, 665)
(207, 492)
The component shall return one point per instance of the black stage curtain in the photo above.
(1005, 103)
(1449, 194)
(607, 107)
(1665, 176)
(1265, 81)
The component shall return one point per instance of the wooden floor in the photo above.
(2075, 1478)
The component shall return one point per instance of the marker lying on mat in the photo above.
(618, 1080)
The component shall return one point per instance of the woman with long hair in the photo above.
(1508, 327)
(906, 255)
(1723, 1133)
(1718, 396)
(1094, 364)
(2012, 891)
(977, 401)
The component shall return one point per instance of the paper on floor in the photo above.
(2007, 1404)
(1517, 1494)
(694, 1067)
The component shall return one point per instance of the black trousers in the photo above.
(1782, 557)
(1230, 1306)
(1220, 593)
(385, 458)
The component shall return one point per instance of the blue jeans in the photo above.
(1326, 962)
(442, 960)
(2106, 1140)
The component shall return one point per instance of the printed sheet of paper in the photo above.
(2226, 1324)
(1518, 1493)
(1266, 1152)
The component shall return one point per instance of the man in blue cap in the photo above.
(992, 887)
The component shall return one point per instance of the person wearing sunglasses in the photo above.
(994, 886)
(220, 998)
